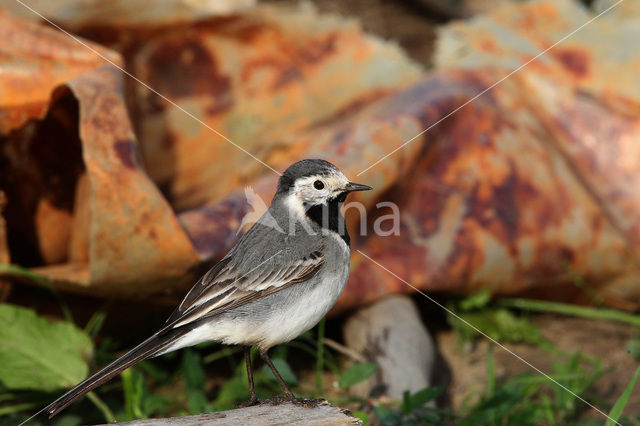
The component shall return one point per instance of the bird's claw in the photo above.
(302, 402)
(277, 400)
(250, 402)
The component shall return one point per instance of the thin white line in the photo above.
(491, 339)
(77, 40)
(492, 86)
(42, 410)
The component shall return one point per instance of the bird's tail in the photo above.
(144, 350)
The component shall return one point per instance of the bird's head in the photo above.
(315, 182)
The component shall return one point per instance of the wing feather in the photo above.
(223, 288)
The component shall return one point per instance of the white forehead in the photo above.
(332, 180)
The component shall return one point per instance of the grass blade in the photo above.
(491, 371)
(357, 373)
(320, 356)
(618, 408)
(18, 271)
(104, 408)
(565, 309)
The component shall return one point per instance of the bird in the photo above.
(278, 281)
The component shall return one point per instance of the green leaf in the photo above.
(357, 373)
(43, 282)
(491, 371)
(133, 388)
(475, 301)
(69, 420)
(529, 399)
(362, 416)
(194, 380)
(139, 401)
(154, 372)
(420, 398)
(40, 355)
(633, 347)
(499, 324)
(225, 352)
(285, 371)
(320, 356)
(233, 390)
(618, 408)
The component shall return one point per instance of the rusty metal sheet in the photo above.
(134, 236)
(108, 230)
(493, 204)
(74, 14)
(601, 58)
(255, 77)
(124, 234)
(528, 186)
(521, 191)
(33, 60)
(486, 200)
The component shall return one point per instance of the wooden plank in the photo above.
(266, 414)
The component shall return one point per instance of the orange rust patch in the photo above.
(574, 60)
(127, 153)
(180, 67)
(318, 49)
(488, 45)
(545, 10)
(352, 108)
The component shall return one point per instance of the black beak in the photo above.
(356, 187)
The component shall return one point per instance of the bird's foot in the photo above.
(302, 402)
(250, 402)
(280, 399)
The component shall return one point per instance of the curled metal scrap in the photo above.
(530, 185)
(264, 77)
(496, 203)
(133, 227)
(35, 59)
(116, 234)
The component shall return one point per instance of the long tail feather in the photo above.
(144, 350)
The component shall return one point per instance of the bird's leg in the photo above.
(287, 391)
(247, 359)
(253, 399)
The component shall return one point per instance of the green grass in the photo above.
(212, 377)
(571, 310)
(618, 408)
(530, 399)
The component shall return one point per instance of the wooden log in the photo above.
(266, 414)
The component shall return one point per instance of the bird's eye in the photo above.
(318, 185)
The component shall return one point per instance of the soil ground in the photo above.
(605, 340)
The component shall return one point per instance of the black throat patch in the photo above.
(328, 216)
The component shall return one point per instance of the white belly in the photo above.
(296, 316)
(288, 314)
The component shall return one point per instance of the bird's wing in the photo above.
(229, 285)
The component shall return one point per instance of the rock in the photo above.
(391, 334)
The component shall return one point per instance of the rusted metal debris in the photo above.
(520, 191)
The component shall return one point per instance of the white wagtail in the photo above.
(277, 282)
